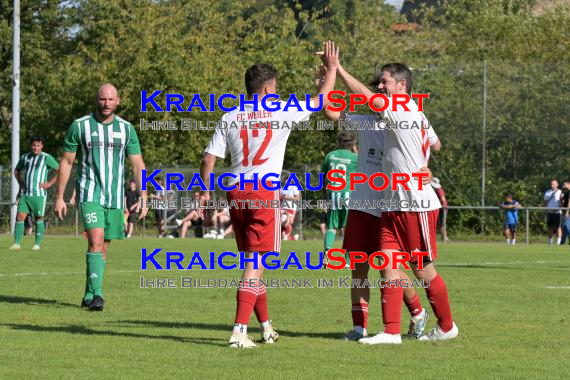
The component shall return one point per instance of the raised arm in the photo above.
(357, 87)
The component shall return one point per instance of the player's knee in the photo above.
(95, 247)
(428, 271)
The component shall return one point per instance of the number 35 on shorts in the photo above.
(92, 215)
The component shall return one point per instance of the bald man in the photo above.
(100, 141)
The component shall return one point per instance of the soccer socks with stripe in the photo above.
(19, 232)
(246, 296)
(439, 300)
(88, 296)
(329, 239)
(413, 304)
(360, 314)
(260, 306)
(392, 296)
(95, 272)
(40, 229)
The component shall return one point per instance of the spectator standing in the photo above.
(552, 199)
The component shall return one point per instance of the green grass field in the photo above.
(511, 305)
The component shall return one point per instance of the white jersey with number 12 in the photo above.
(255, 149)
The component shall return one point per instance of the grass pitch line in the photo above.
(557, 287)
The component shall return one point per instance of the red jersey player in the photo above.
(407, 228)
(257, 151)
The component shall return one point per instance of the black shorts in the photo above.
(133, 217)
(323, 217)
(553, 220)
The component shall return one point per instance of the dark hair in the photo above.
(37, 138)
(345, 140)
(132, 180)
(400, 71)
(257, 76)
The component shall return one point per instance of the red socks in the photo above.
(392, 308)
(360, 314)
(245, 297)
(439, 300)
(249, 299)
(261, 305)
(413, 304)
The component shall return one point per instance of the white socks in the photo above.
(240, 329)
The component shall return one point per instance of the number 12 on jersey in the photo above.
(244, 136)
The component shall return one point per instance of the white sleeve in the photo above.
(302, 114)
(432, 136)
(217, 145)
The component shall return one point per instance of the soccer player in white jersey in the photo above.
(406, 227)
(363, 225)
(256, 150)
(101, 141)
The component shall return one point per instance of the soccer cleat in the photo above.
(269, 335)
(355, 335)
(418, 325)
(241, 341)
(97, 304)
(36, 247)
(178, 222)
(86, 303)
(437, 334)
(382, 338)
(15, 247)
(325, 259)
(220, 237)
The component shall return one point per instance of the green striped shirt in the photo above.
(35, 171)
(101, 150)
(340, 159)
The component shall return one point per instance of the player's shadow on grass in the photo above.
(34, 301)
(226, 328)
(84, 330)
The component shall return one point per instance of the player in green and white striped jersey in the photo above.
(344, 158)
(32, 172)
(100, 141)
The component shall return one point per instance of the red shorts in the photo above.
(290, 212)
(258, 229)
(409, 231)
(362, 232)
